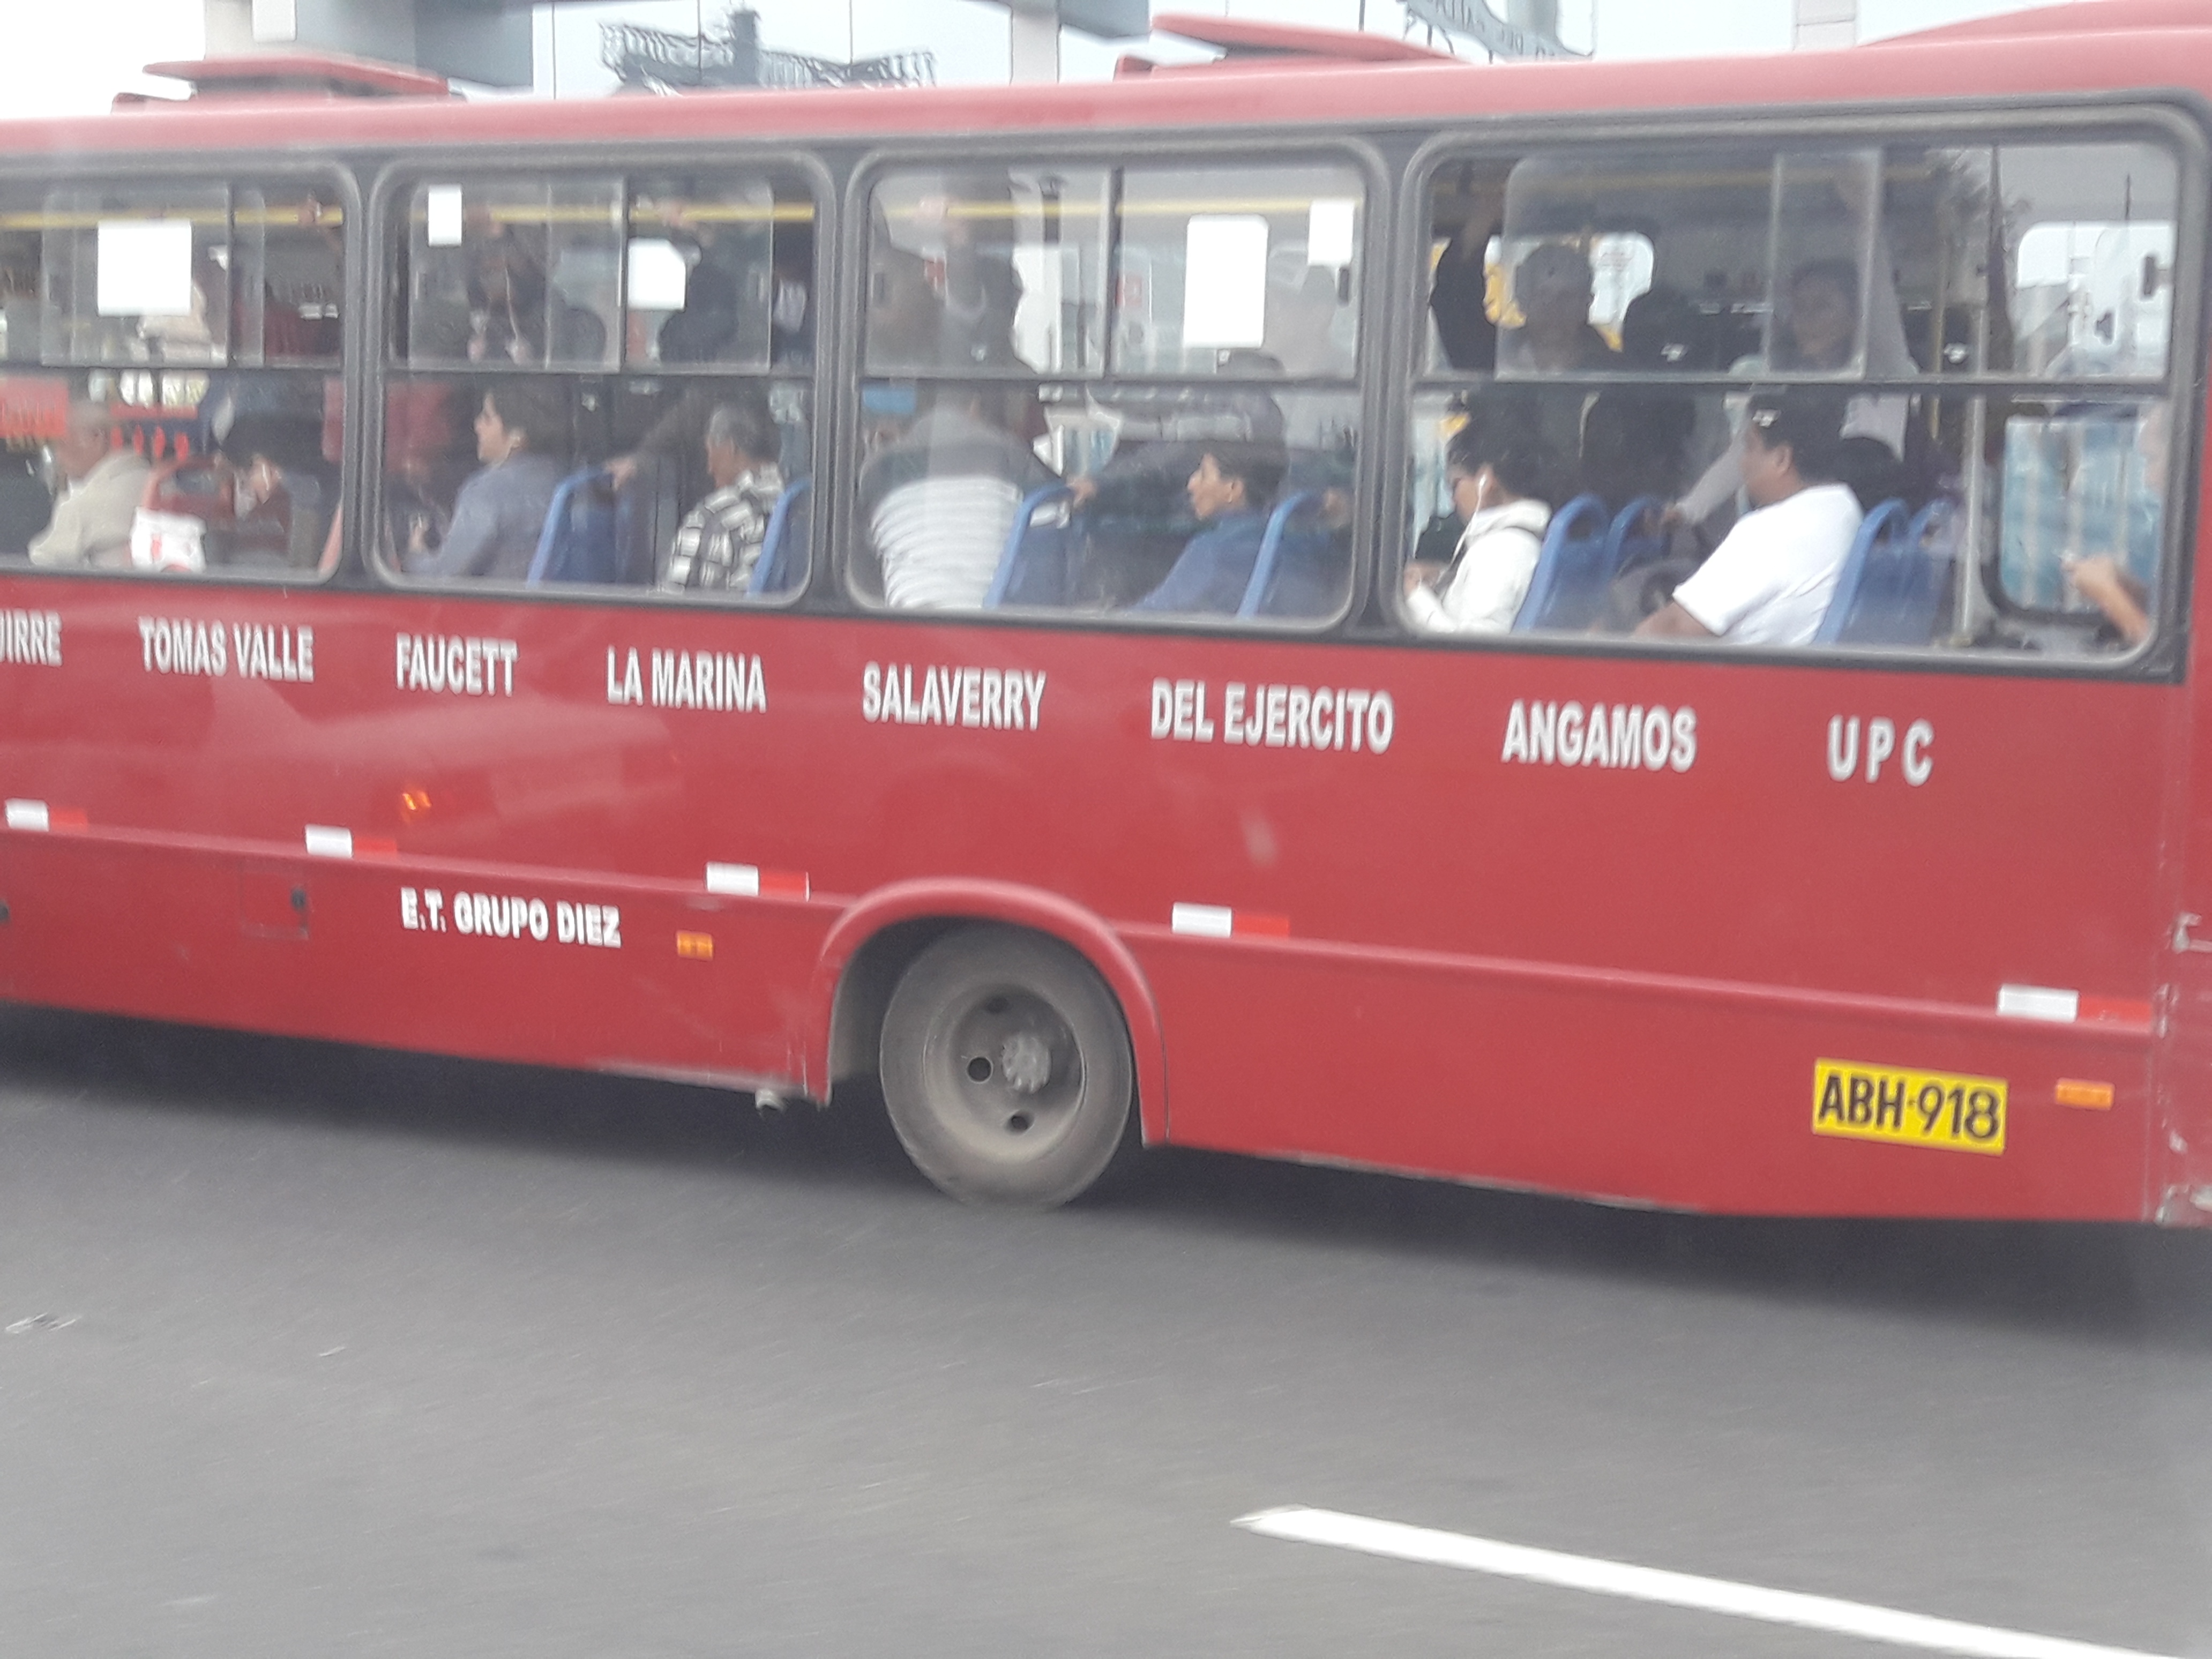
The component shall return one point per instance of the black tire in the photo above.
(1006, 1068)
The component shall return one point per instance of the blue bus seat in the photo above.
(1573, 569)
(578, 544)
(1890, 589)
(783, 543)
(1033, 565)
(1273, 540)
(1635, 537)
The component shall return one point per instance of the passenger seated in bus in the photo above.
(499, 513)
(1552, 287)
(939, 500)
(1770, 581)
(100, 489)
(1230, 493)
(1818, 332)
(1138, 503)
(1502, 480)
(719, 539)
(282, 491)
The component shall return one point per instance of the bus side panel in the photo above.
(1702, 1102)
(1630, 964)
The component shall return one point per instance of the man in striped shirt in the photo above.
(940, 501)
(719, 540)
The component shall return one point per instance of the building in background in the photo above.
(484, 41)
(645, 60)
(73, 59)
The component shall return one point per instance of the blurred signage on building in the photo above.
(1538, 36)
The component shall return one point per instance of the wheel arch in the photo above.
(872, 943)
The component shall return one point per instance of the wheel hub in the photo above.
(1025, 1062)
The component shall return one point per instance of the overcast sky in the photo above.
(73, 57)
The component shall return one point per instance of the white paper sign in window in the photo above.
(1224, 280)
(658, 275)
(441, 206)
(1329, 223)
(145, 268)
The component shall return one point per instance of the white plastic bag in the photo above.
(167, 541)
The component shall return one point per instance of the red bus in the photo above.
(1626, 630)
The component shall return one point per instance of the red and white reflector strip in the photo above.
(751, 881)
(328, 842)
(2069, 1007)
(37, 816)
(1218, 921)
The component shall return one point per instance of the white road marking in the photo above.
(1680, 1590)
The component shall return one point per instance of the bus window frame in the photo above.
(2182, 123)
(1193, 148)
(336, 172)
(389, 194)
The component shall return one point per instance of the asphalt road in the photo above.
(315, 1351)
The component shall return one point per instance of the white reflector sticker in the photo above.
(739, 880)
(2038, 1002)
(1208, 920)
(325, 843)
(27, 815)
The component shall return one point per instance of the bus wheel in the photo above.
(1006, 1068)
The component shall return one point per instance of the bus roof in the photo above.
(2007, 66)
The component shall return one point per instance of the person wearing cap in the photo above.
(1770, 581)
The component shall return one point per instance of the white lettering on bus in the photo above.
(503, 915)
(446, 662)
(1626, 737)
(266, 652)
(1916, 764)
(178, 645)
(31, 636)
(726, 682)
(1275, 716)
(999, 699)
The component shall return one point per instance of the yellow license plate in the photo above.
(1911, 1109)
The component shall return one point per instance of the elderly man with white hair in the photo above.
(99, 496)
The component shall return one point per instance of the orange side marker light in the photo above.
(695, 947)
(2075, 1091)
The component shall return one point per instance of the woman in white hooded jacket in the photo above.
(1501, 483)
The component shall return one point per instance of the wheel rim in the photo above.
(1007, 1074)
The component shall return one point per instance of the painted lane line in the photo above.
(1680, 1590)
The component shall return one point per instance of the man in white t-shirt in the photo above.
(1770, 581)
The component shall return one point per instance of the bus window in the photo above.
(1175, 442)
(518, 272)
(172, 354)
(512, 455)
(1787, 393)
